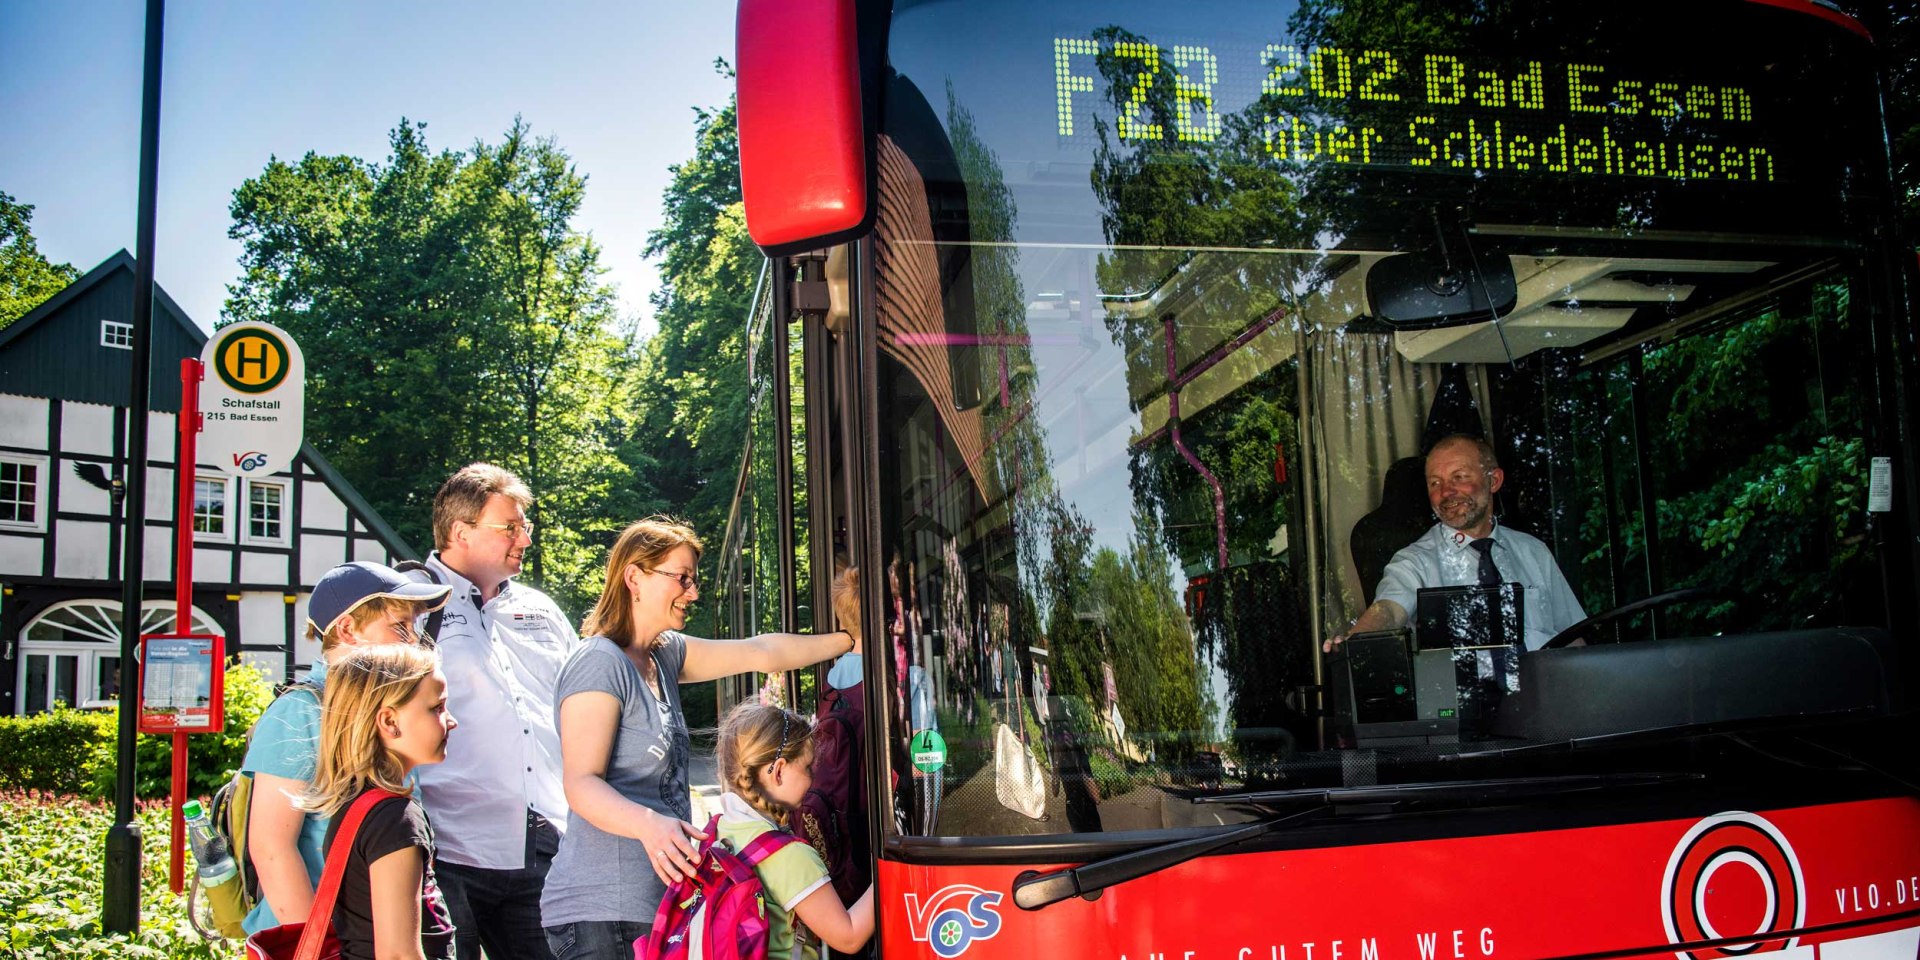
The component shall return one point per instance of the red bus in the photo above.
(1109, 339)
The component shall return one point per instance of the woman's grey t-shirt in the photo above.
(597, 875)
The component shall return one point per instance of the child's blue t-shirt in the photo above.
(286, 743)
(850, 669)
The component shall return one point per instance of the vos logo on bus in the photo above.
(1733, 876)
(953, 918)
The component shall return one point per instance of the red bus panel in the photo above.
(1846, 874)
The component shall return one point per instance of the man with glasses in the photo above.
(496, 802)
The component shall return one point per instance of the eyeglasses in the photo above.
(511, 528)
(687, 580)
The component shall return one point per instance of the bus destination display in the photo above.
(1438, 111)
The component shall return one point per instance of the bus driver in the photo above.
(1466, 548)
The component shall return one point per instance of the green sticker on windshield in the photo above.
(929, 751)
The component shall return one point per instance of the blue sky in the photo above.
(245, 80)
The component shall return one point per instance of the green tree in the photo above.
(450, 312)
(690, 405)
(26, 277)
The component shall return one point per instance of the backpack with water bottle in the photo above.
(723, 906)
(229, 901)
(216, 876)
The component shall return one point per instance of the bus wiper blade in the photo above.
(1452, 792)
(1033, 891)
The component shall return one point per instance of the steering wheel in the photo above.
(1657, 601)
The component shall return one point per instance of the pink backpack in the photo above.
(735, 905)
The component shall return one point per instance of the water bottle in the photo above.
(215, 863)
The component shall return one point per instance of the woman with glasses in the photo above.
(623, 740)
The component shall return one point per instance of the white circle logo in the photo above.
(1711, 881)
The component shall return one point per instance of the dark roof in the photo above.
(54, 351)
(38, 353)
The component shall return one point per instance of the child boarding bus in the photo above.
(1117, 337)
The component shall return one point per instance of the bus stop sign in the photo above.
(253, 401)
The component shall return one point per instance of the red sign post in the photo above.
(183, 675)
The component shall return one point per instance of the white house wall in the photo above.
(257, 567)
(76, 551)
(71, 551)
(318, 554)
(213, 566)
(86, 429)
(322, 510)
(21, 556)
(79, 496)
(305, 651)
(23, 422)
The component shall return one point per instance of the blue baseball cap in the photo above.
(349, 585)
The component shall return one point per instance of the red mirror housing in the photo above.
(803, 168)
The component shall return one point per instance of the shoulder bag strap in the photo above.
(438, 617)
(766, 845)
(320, 918)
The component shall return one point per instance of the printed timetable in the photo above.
(1420, 110)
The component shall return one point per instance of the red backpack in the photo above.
(728, 890)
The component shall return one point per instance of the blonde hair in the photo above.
(465, 494)
(364, 613)
(352, 758)
(644, 543)
(751, 738)
(846, 600)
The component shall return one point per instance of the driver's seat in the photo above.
(1403, 515)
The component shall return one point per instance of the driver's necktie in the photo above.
(1489, 574)
(1490, 577)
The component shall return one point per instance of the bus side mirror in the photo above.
(1421, 291)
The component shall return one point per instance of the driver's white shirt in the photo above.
(500, 659)
(1443, 557)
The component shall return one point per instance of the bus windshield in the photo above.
(1172, 301)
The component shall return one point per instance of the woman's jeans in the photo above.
(596, 939)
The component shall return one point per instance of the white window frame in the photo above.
(42, 480)
(117, 335)
(286, 513)
(227, 525)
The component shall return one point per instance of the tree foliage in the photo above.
(691, 390)
(26, 277)
(450, 312)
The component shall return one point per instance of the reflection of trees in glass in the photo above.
(1757, 459)
(1162, 694)
(1153, 654)
(1157, 196)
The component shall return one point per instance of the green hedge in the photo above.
(72, 751)
(55, 751)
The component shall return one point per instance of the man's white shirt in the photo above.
(1444, 557)
(501, 660)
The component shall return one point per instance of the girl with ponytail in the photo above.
(765, 761)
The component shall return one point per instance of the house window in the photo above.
(211, 514)
(22, 492)
(266, 511)
(113, 334)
